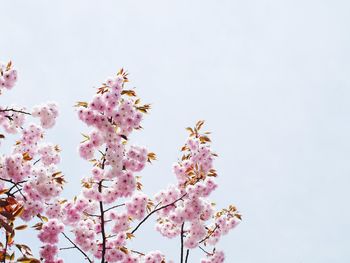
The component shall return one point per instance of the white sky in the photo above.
(271, 78)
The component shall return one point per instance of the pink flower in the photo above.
(51, 230)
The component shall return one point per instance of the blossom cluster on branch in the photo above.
(111, 207)
(29, 177)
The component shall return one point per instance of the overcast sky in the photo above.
(271, 79)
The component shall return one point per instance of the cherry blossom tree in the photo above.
(29, 177)
(111, 207)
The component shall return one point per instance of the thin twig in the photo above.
(187, 253)
(64, 248)
(209, 254)
(36, 161)
(106, 210)
(212, 232)
(137, 252)
(156, 210)
(102, 227)
(86, 256)
(14, 110)
(20, 191)
(12, 182)
(14, 185)
(103, 232)
(182, 242)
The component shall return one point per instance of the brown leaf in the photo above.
(8, 215)
(144, 108)
(18, 211)
(38, 226)
(239, 216)
(28, 260)
(129, 235)
(204, 139)
(130, 93)
(81, 104)
(26, 156)
(57, 148)
(43, 218)
(9, 65)
(21, 227)
(3, 203)
(102, 89)
(7, 227)
(139, 186)
(199, 125)
(190, 130)
(151, 156)
(124, 250)
(56, 173)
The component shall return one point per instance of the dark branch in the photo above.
(14, 110)
(108, 209)
(65, 248)
(209, 235)
(103, 231)
(206, 252)
(137, 252)
(36, 161)
(86, 256)
(187, 254)
(182, 242)
(156, 210)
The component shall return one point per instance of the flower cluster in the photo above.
(111, 105)
(8, 76)
(47, 113)
(216, 257)
(85, 232)
(10, 120)
(136, 159)
(183, 209)
(30, 180)
(31, 136)
(49, 154)
(111, 206)
(42, 187)
(154, 257)
(192, 215)
(136, 207)
(15, 168)
(48, 253)
(113, 114)
(50, 231)
(49, 236)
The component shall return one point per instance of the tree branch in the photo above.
(102, 226)
(86, 256)
(137, 252)
(14, 110)
(65, 248)
(106, 210)
(209, 235)
(206, 252)
(156, 210)
(187, 253)
(182, 242)
(103, 232)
